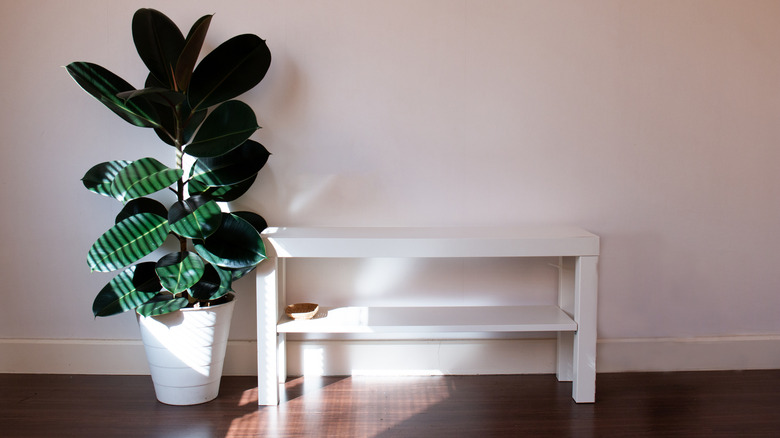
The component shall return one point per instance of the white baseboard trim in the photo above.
(82, 356)
(738, 352)
(410, 357)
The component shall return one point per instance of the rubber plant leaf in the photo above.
(161, 304)
(167, 116)
(235, 245)
(193, 123)
(238, 273)
(159, 43)
(129, 289)
(141, 205)
(195, 218)
(232, 168)
(143, 177)
(156, 95)
(179, 271)
(168, 120)
(214, 283)
(127, 242)
(254, 219)
(189, 54)
(98, 179)
(233, 68)
(104, 86)
(172, 117)
(259, 224)
(221, 193)
(228, 126)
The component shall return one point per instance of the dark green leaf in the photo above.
(195, 218)
(215, 283)
(159, 43)
(254, 219)
(235, 245)
(153, 82)
(127, 242)
(179, 271)
(259, 224)
(157, 95)
(226, 128)
(143, 177)
(163, 132)
(104, 86)
(172, 118)
(166, 115)
(238, 273)
(232, 168)
(233, 68)
(161, 304)
(189, 55)
(98, 179)
(192, 124)
(221, 193)
(129, 289)
(141, 205)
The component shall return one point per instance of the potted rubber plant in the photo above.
(191, 105)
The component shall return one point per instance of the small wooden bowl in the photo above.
(302, 310)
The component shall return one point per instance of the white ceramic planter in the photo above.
(185, 350)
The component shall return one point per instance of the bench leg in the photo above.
(565, 355)
(585, 310)
(268, 345)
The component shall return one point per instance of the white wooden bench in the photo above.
(573, 318)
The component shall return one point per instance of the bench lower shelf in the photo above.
(432, 320)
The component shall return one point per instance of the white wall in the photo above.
(651, 123)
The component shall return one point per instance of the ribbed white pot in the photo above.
(185, 350)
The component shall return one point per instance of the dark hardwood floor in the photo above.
(685, 404)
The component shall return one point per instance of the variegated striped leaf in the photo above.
(221, 193)
(129, 289)
(215, 283)
(98, 179)
(195, 218)
(128, 241)
(179, 271)
(141, 205)
(104, 86)
(143, 177)
(162, 305)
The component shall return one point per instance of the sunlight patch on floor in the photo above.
(365, 406)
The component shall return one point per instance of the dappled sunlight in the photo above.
(313, 360)
(315, 188)
(248, 397)
(174, 342)
(396, 373)
(356, 406)
(247, 425)
(185, 351)
(340, 406)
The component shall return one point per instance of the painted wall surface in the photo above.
(651, 123)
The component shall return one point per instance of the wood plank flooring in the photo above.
(684, 404)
